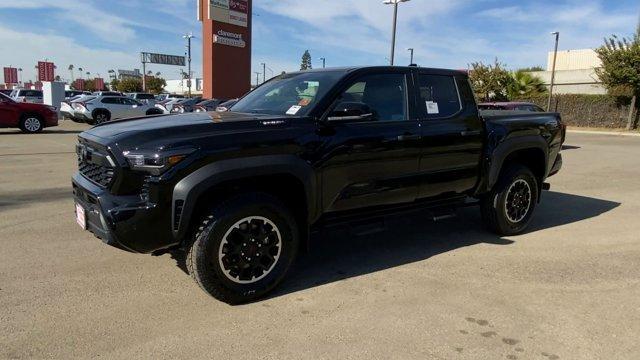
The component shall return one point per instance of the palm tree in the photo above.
(525, 85)
(71, 71)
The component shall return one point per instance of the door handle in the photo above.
(470, 132)
(406, 137)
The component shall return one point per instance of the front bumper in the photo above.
(125, 222)
(557, 165)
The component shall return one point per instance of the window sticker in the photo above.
(294, 109)
(304, 102)
(432, 107)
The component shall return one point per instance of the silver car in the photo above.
(104, 108)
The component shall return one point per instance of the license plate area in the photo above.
(81, 217)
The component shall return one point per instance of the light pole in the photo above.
(411, 50)
(189, 36)
(395, 20)
(264, 72)
(257, 77)
(553, 69)
(324, 62)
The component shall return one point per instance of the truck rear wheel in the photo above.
(509, 207)
(243, 248)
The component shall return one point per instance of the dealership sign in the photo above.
(11, 75)
(46, 71)
(98, 83)
(228, 38)
(234, 12)
(162, 59)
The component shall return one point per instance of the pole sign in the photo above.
(235, 12)
(10, 75)
(99, 83)
(162, 59)
(78, 84)
(46, 71)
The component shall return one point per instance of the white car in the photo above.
(24, 95)
(166, 105)
(66, 107)
(104, 108)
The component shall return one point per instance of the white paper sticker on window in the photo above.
(432, 107)
(294, 109)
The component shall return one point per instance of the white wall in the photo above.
(180, 86)
(574, 60)
(573, 81)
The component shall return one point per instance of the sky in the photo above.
(98, 35)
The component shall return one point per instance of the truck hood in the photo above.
(138, 131)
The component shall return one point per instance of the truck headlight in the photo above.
(155, 163)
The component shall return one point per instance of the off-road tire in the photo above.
(202, 254)
(494, 204)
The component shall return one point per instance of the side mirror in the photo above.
(350, 111)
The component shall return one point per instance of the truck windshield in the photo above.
(289, 94)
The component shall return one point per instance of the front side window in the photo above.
(439, 95)
(383, 95)
(289, 94)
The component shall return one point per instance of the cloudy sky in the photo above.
(99, 35)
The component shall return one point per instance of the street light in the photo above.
(324, 62)
(189, 36)
(264, 72)
(395, 20)
(553, 69)
(411, 50)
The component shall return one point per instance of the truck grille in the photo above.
(94, 165)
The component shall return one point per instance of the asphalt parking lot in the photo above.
(567, 289)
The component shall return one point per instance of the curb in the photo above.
(603, 133)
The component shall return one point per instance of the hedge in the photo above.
(598, 111)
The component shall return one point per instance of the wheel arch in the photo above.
(530, 151)
(285, 176)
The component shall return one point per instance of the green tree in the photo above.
(90, 85)
(532, 68)
(155, 85)
(525, 85)
(114, 84)
(490, 82)
(306, 61)
(130, 84)
(620, 71)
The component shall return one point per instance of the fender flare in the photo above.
(502, 150)
(189, 189)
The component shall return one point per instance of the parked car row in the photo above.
(96, 109)
(176, 105)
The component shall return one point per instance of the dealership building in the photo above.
(575, 72)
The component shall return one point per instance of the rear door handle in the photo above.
(406, 137)
(470, 132)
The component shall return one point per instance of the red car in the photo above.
(30, 118)
(510, 105)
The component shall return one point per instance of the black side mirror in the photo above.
(349, 111)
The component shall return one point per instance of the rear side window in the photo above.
(439, 95)
(111, 100)
(32, 93)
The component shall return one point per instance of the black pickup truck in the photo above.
(241, 191)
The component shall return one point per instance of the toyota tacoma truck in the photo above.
(240, 192)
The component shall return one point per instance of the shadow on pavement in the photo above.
(337, 255)
(22, 198)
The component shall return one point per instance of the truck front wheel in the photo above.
(243, 248)
(509, 207)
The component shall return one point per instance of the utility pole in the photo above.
(189, 36)
(553, 69)
(264, 72)
(257, 77)
(411, 50)
(395, 20)
(324, 62)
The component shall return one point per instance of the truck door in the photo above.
(452, 134)
(374, 160)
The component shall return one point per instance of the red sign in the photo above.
(239, 6)
(10, 75)
(27, 85)
(46, 71)
(78, 84)
(99, 84)
(38, 85)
